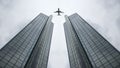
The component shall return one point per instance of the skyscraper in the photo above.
(30, 47)
(86, 47)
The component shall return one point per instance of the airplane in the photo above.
(58, 11)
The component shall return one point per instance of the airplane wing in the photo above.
(61, 12)
(56, 12)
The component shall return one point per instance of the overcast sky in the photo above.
(103, 15)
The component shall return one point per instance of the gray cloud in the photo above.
(118, 23)
(108, 4)
(7, 4)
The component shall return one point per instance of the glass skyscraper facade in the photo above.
(30, 47)
(86, 47)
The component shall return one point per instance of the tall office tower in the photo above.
(30, 47)
(86, 47)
